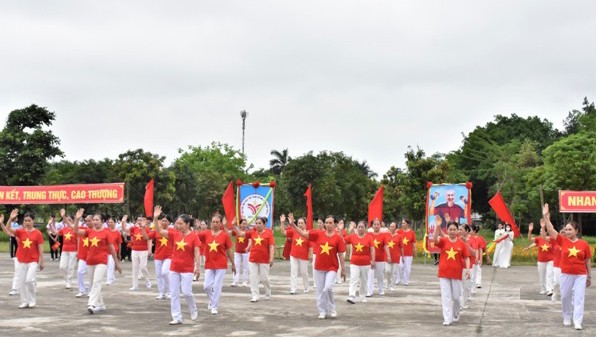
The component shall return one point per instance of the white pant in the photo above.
(241, 258)
(378, 273)
(391, 271)
(573, 287)
(450, 293)
(359, 276)
(212, 285)
(407, 260)
(81, 271)
(98, 272)
(139, 258)
(478, 275)
(556, 271)
(546, 275)
(68, 260)
(466, 289)
(298, 267)
(27, 283)
(181, 282)
(339, 279)
(110, 270)
(258, 272)
(162, 274)
(324, 294)
(313, 268)
(15, 277)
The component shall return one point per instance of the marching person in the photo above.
(241, 255)
(139, 251)
(556, 270)
(163, 253)
(68, 256)
(409, 247)
(363, 259)
(394, 248)
(329, 247)
(382, 253)
(299, 254)
(454, 253)
(30, 255)
(545, 258)
(576, 265)
(117, 240)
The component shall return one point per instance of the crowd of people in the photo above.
(379, 257)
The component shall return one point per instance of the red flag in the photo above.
(228, 202)
(375, 207)
(309, 224)
(148, 199)
(502, 211)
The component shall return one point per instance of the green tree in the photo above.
(280, 160)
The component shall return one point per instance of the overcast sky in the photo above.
(368, 78)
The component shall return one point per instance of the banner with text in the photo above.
(63, 194)
(577, 201)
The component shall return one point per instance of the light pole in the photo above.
(243, 116)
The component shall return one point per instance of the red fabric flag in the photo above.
(502, 211)
(309, 224)
(148, 199)
(375, 207)
(228, 202)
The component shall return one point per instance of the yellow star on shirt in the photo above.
(27, 243)
(376, 243)
(325, 248)
(138, 237)
(67, 236)
(241, 239)
(573, 251)
(163, 242)
(181, 245)
(405, 241)
(359, 247)
(258, 240)
(86, 242)
(299, 241)
(94, 241)
(391, 244)
(213, 245)
(544, 247)
(451, 254)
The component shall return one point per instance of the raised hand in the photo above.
(282, 218)
(530, 227)
(157, 211)
(546, 211)
(62, 213)
(124, 220)
(14, 213)
(291, 218)
(2, 219)
(79, 214)
(542, 223)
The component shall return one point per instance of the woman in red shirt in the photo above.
(101, 244)
(184, 264)
(329, 246)
(162, 254)
(556, 252)
(545, 258)
(241, 255)
(454, 252)
(576, 265)
(68, 256)
(363, 259)
(30, 255)
(117, 238)
(380, 240)
(299, 254)
(261, 257)
(409, 250)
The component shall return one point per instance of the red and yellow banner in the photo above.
(63, 194)
(577, 201)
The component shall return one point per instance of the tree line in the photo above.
(521, 157)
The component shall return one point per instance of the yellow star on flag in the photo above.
(94, 241)
(241, 239)
(325, 248)
(86, 242)
(163, 242)
(544, 247)
(451, 254)
(138, 237)
(359, 247)
(213, 245)
(67, 236)
(27, 243)
(391, 244)
(299, 241)
(573, 251)
(405, 241)
(376, 243)
(181, 245)
(258, 240)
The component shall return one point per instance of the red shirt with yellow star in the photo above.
(260, 246)
(116, 239)
(556, 253)
(300, 245)
(360, 256)
(183, 254)
(474, 244)
(28, 250)
(139, 244)
(452, 255)
(163, 246)
(573, 255)
(394, 246)
(98, 246)
(215, 248)
(69, 240)
(545, 252)
(241, 243)
(379, 241)
(326, 249)
(407, 242)
(83, 245)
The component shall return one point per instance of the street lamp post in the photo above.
(243, 116)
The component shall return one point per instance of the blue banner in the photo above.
(258, 201)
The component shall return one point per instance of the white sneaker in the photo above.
(456, 318)
(293, 292)
(465, 306)
(478, 286)
(31, 305)
(175, 322)
(254, 299)
(364, 300)
(23, 305)
(351, 300)
(234, 284)
(322, 316)
(92, 309)
(214, 311)
(244, 284)
(80, 295)
(68, 286)
(333, 314)
(268, 296)
(406, 284)
(567, 322)
(160, 297)
(148, 284)
(306, 290)
(446, 323)
(380, 293)
(134, 288)
(392, 289)
(549, 293)
(13, 292)
(194, 315)
(542, 292)
(577, 326)
(167, 296)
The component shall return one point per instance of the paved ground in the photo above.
(508, 304)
